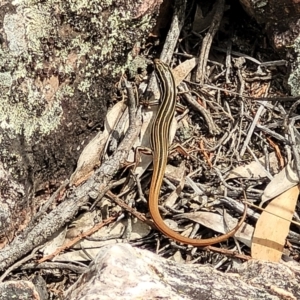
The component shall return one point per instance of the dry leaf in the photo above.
(55, 241)
(281, 182)
(90, 155)
(144, 141)
(92, 247)
(183, 70)
(177, 257)
(273, 226)
(82, 223)
(256, 168)
(175, 174)
(216, 222)
(86, 254)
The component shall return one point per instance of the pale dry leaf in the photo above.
(216, 222)
(182, 70)
(82, 223)
(139, 230)
(89, 157)
(92, 247)
(256, 169)
(55, 241)
(173, 225)
(175, 174)
(177, 257)
(143, 141)
(105, 232)
(281, 182)
(273, 226)
(196, 188)
(80, 255)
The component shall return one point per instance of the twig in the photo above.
(228, 62)
(212, 128)
(174, 32)
(133, 211)
(207, 41)
(19, 263)
(171, 41)
(109, 187)
(235, 53)
(46, 206)
(228, 252)
(54, 265)
(260, 112)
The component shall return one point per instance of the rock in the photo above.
(123, 272)
(21, 289)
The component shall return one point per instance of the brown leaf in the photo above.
(182, 70)
(273, 226)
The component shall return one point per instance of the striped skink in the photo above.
(160, 145)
